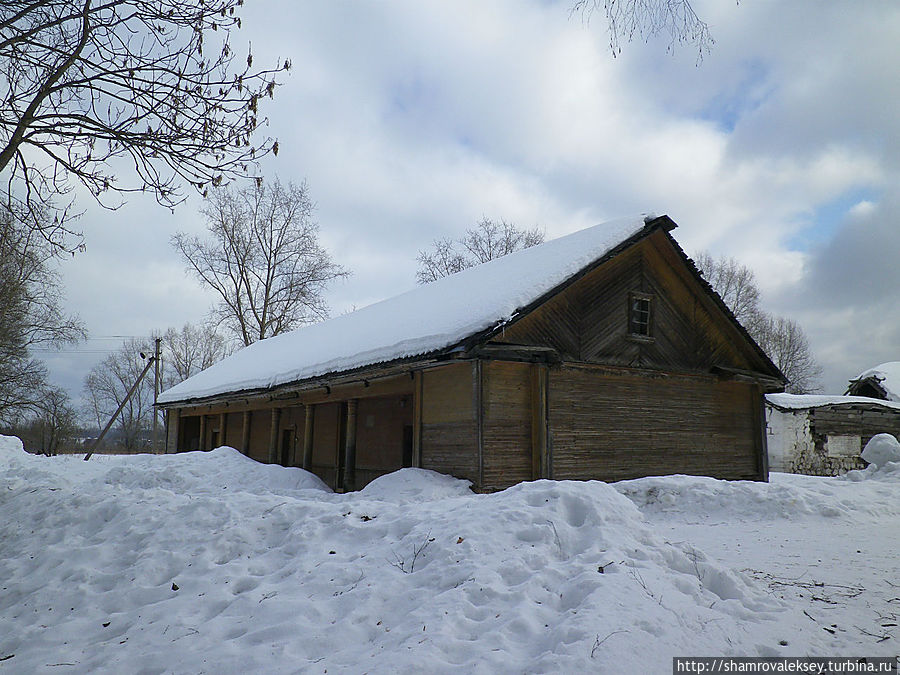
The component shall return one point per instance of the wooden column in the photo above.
(223, 418)
(478, 405)
(202, 445)
(273, 436)
(762, 441)
(173, 416)
(417, 419)
(539, 460)
(350, 447)
(245, 433)
(309, 420)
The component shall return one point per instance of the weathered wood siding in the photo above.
(862, 420)
(188, 433)
(588, 322)
(449, 421)
(260, 429)
(234, 427)
(612, 426)
(382, 427)
(507, 423)
(326, 442)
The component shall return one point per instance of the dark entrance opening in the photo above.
(407, 445)
(287, 442)
(189, 434)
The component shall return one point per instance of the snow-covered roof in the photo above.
(887, 376)
(804, 401)
(425, 320)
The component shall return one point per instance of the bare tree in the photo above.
(31, 314)
(262, 258)
(782, 339)
(155, 83)
(486, 241)
(441, 261)
(786, 344)
(649, 18)
(108, 383)
(51, 426)
(735, 283)
(189, 350)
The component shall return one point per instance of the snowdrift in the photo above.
(209, 562)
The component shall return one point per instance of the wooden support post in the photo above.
(762, 444)
(478, 404)
(245, 433)
(539, 459)
(173, 429)
(273, 436)
(202, 442)
(309, 420)
(223, 419)
(350, 447)
(417, 419)
(155, 446)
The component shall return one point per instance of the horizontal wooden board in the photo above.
(854, 420)
(447, 394)
(507, 424)
(451, 447)
(613, 427)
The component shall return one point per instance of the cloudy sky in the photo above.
(411, 120)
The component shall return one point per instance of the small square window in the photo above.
(640, 307)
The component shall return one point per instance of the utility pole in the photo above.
(119, 409)
(155, 395)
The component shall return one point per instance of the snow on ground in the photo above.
(212, 563)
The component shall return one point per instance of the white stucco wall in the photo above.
(788, 437)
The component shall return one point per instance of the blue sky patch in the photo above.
(745, 95)
(824, 221)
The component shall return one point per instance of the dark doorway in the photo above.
(189, 434)
(287, 445)
(407, 446)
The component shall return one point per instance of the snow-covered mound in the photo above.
(10, 446)
(207, 562)
(221, 470)
(881, 449)
(414, 485)
(785, 496)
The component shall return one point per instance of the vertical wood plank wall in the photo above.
(618, 426)
(507, 424)
(380, 436)
(449, 436)
(326, 437)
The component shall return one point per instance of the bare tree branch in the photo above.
(782, 339)
(486, 241)
(108, 383)
(31, 314)
(647, 19)
(189, 350)
(153, 82)
(263, 260)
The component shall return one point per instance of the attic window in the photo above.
(640, 313)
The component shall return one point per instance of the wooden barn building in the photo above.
(599, 355)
